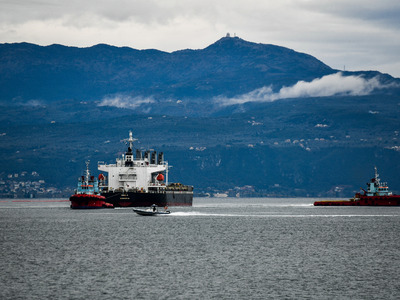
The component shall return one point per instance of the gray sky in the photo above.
(355, 34)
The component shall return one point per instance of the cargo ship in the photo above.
(141, 180)
(87, 194)
(377, 194)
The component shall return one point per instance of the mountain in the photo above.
(228, 67)
(235, 116)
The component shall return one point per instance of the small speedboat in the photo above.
(152, 211)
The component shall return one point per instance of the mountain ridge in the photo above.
(57, 72)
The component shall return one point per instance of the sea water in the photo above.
(221, 248)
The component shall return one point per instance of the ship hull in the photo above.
(85, 201)
(138, 199)
(393, 200)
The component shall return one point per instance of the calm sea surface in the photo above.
(262, 248)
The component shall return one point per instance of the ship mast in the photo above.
(131, 139)
(377, 176)
(87, 172)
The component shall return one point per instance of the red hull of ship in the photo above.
(86, 201)
(393, 200)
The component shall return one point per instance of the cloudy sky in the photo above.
(350, 34)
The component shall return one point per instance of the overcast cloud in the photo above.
(352, 34)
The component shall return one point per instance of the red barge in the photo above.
(87, 194)
(377, 194)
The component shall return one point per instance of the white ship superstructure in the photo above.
(376, 187)
(143, 173)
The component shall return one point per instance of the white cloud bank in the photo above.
(123, 101)
(329, 85)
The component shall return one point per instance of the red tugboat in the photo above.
(377, 194)
(87, 194)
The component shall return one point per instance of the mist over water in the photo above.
(218, 249)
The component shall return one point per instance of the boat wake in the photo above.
(277, 215)
(241, 205)
(200, 214)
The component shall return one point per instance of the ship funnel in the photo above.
(160, 158)
(153, 157)
(147, 155)
(138, 154)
